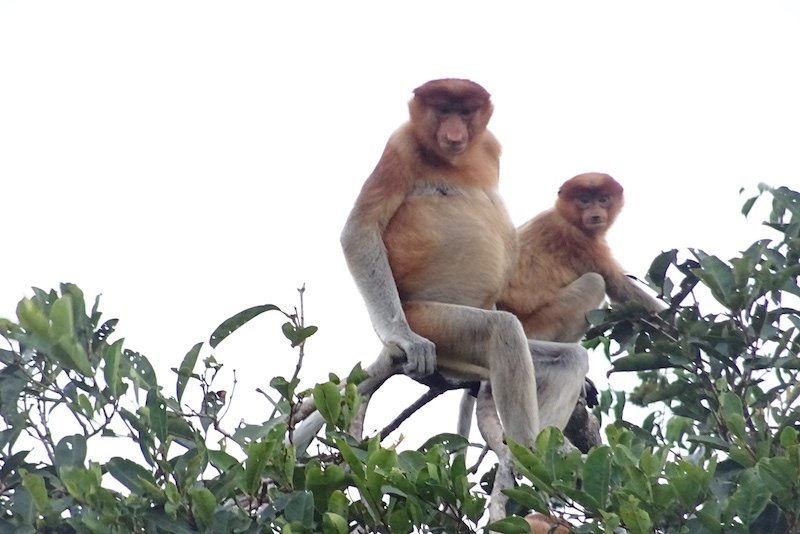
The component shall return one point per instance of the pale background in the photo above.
(191, 159)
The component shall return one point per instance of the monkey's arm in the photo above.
(621, 288)
(365, 253)
(562, 317)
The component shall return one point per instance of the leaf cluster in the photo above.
(68, 393)
(718, 370)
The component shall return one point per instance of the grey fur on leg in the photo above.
(465, 410)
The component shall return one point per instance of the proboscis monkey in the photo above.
(430, 246)
(545, 524)
(565, 266)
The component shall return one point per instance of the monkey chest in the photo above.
(451, 244)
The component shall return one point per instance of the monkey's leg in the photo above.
(476, 343)
(465, 410)
(560, 372)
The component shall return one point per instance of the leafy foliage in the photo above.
(64, 385)
(718, 452)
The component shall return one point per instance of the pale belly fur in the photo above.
(453, 245)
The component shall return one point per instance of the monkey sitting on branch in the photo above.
(565, 266)
(431, 246)
(564, 270)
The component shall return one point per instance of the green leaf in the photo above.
(85, 405)
(35, 486)
(131, 475)
(24, 509)
(111, 368)
(710, 515)
(257, 456)
(297, 335)
(731, 410)
(788, 436)
(323, 483)
(282, 386)
(168, 524)
(748, 205)
(356, 465)
(750, 498)
(300, 508)
(641, 362)
(70, 451)
(334, 524)
(657, 273)
(528, 497)
(338, 503)
(636, 519)
(778, 474)
(718, 276)
(79, 481)
(510, 525)
(158, 414)
(140, 370)
(689, 481)
(180, 430)
(531, 466)
(233, 323)
(357, 375)
(32, 318)
(203, 505)
(597, 475)
(451, 443)
(677, 426)
(328, 401)
(73, 356)
(186, 369)
(711, 441)
(222, 460)
(249, 433)
(63, 323)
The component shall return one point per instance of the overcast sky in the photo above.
(191, 159)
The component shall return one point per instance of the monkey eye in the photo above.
(603, 199)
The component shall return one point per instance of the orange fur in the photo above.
(550, 289)
(430, 245)
(450, 214)
(544, 524)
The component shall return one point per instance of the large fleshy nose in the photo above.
(455, 137)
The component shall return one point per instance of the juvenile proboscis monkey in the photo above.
(565, 266)
(430, 246)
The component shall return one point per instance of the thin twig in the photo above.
(484, 451)
(408, 412)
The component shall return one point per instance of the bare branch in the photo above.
(357, 425)
(428, 396)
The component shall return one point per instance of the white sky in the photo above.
(191, 159)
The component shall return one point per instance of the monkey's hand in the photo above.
(420, 354)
